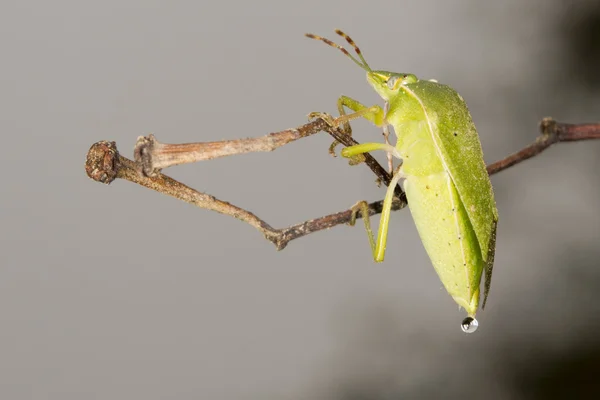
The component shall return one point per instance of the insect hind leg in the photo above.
(362, 207)
(378, 245)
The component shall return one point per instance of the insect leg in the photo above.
(378, 246)
(374, 114)
(353, 151)
(384, 221)
(363, 208)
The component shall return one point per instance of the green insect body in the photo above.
(448, 189)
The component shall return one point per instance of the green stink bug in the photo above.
(448, 189)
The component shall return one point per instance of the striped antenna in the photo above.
(362, 64)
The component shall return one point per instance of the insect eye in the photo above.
(391, 83)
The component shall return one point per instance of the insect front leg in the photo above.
(375, 114)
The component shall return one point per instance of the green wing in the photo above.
(460, 149)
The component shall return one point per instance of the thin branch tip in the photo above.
(101, 163)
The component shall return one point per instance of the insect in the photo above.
(444, 176)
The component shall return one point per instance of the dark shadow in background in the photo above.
(580, 29)
(520, 366)
(572, 371)
(569, 374)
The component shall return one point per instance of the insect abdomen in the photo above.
(447, 235)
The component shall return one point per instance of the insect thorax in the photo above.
(415, 142)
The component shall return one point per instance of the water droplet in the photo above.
(469, 325)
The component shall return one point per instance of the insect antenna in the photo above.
(362, 64)
(356, 49)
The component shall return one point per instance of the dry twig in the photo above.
(104, 164)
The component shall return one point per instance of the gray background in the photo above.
(121, 293)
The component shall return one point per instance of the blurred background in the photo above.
(119, 292)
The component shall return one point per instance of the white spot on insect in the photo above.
(433, 80)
